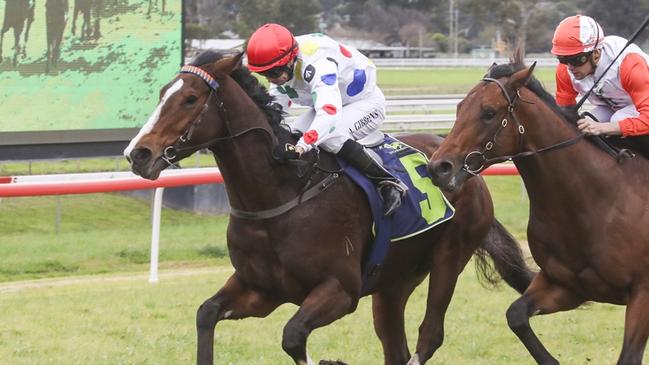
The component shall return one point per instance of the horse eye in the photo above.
(191, 99)
(488, 114)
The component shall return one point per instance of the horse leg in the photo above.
(74, 18)
(85, 27)
(541, 297)
(2, 35)
(447, 262)
(326, 303)
(636, 328)
(97, 6)
(17, 31)
(30, 20)
(388, 307)
(47, 58)
(234, 301)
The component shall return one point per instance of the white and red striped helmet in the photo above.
(576, 34)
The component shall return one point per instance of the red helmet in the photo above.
(269, 46)
(576, 34)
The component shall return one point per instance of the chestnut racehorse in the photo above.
(587, 229)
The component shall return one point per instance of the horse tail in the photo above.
(507, 258)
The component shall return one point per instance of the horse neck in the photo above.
(567, 173)
(253, 180)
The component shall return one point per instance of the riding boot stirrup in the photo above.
(389, 186)
(392, 192)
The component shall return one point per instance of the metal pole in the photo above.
(57, 218)
(451, 23)
(456, 28)
(155, 234)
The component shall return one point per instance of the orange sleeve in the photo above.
(634, 77)
(566, 93)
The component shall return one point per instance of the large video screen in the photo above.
(85, 64)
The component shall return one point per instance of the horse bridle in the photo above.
(171, 152)
(309, 190)
(484, 161)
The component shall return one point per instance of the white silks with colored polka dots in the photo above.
(339, 83)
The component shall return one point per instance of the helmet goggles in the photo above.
(275, 72)
(575, 60)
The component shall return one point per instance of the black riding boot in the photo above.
(389, 186)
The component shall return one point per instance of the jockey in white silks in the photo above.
(339, 84)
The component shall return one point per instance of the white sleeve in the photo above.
(322, 78)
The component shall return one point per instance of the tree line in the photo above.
(419, 23)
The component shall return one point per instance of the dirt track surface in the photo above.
(16, 286)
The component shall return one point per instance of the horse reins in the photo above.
(171, 152)
(521, 132)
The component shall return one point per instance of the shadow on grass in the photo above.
(134, 256)
(213, 251)
(49, 266)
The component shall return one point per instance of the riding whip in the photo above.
(633, 37)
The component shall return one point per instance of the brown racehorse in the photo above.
(587, 229)
(310, 255)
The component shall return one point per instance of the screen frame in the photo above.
(78, 143)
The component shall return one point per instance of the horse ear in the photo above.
(518, 56)
(521, 78)
(229, 64)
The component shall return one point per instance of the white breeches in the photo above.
(605, 114)
(358, 120)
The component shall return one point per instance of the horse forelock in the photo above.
(251, 86)
(506, 70)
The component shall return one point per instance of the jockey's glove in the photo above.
(285, 152)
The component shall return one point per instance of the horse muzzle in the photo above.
(446, 175)
(144, 164)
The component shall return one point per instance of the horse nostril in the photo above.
(442, 168)
(140, 155)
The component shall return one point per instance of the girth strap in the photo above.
(307, 195)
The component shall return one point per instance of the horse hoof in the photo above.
(414, 360)
(328, 362)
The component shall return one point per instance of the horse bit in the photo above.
(521, 132)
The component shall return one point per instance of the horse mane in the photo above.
(255, 90)
(516, 64)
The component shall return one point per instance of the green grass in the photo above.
(132, 322)
(510, 203)
(100, 233)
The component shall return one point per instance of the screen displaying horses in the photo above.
(84, 64)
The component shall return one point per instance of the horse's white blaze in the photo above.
(153, 119)
(414, 360)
